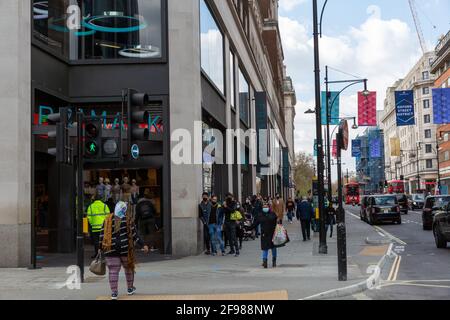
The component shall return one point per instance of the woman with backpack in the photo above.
(117, 239)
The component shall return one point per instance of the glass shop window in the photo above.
(99, 29)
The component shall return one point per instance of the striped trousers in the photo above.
(114, 265)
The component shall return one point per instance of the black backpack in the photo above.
(145, 210)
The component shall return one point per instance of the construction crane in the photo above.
(412, 5)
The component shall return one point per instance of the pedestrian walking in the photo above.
(204, 209)
(304, 214)
(278, 207)
(229, 208)
(118, 237)
(256, 209)
(96, 215)
(290, 207)
(240, 225)
(215, 225)
(331, 219)
(267, 219)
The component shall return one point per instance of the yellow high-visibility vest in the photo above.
(96, 214)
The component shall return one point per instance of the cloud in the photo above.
(287, 5)
(380, 50)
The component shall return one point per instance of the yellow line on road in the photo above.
(394, 265)
(398, 268)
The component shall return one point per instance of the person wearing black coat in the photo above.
(267, 219)
(305, 213)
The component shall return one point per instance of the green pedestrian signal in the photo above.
(92, 148)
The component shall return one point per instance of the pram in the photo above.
(248, 232)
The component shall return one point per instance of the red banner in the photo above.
(367, 109)
(334, 149)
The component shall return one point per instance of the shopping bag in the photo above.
(98, 266)
(280, 236)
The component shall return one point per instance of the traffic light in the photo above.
(93, 139)
(137, 119)
(61, 135)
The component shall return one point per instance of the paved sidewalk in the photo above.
(301, 272)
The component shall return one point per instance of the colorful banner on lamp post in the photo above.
(375, 148)
(334, 109)
(334, 152)
(356, 148)
(367, 109)
(441, 106)
(395, 147)
(404, 108)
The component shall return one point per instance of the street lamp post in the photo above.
(323, 249)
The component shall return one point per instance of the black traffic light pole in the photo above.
(80, 197)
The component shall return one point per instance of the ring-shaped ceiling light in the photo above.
(93, 24)
(59, 28)
(40, 13)
(141, 52)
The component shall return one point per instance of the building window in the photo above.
(428, 148)
(244, 99)
(211, 47)
(428, 134)
(425, 75)
(427, 118)
(446, 156)
(429, 164)
(426, 104)
(115, 29)
(426, 90)
(232, 81)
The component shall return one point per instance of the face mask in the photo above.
(205, 199)
(213, 202)
(266, 210)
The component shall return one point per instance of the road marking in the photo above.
(392, 237)
(394, 278)
(392, 269)
(412, 285)
(381, 234)
(353, 215)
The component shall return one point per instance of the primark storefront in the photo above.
(84, 54)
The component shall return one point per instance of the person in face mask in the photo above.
(267, 219)
(204, 209)
(230, 224)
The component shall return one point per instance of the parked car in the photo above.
(382, 208)
(363, 207)
(432, 205)
(402, 200)
(417, 201)
(441, 227)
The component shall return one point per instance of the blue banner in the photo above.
(286, 167)
(334, 109)
(356, 148)
(441, 105)
(375, 148)
(404, 107)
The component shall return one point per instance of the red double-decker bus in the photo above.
(396, 186)
(351, 193)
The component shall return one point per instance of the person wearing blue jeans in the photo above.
(267, 219)
(215, 224)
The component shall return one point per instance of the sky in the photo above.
(373, 39)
